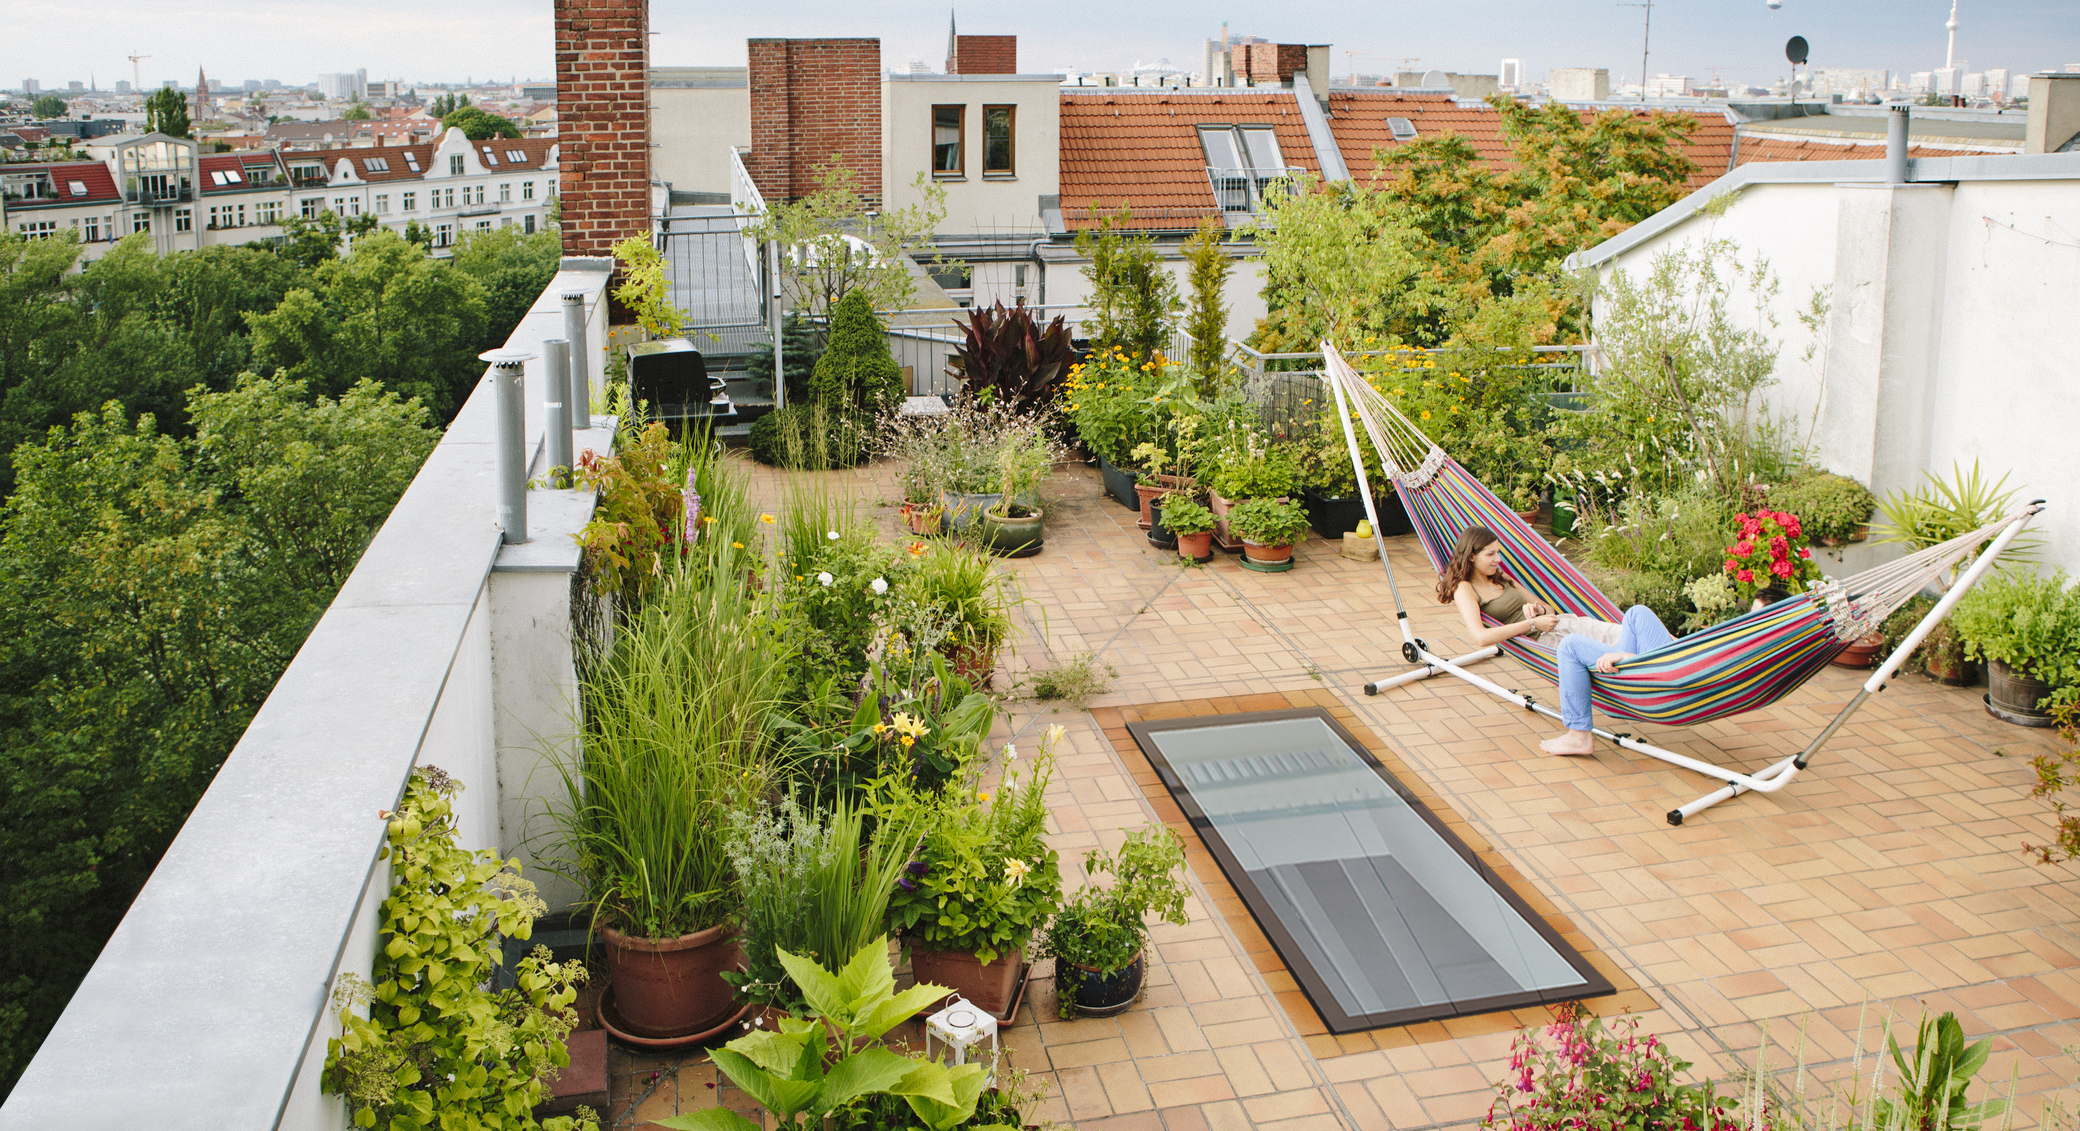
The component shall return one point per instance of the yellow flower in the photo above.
(1426, 414)
(708, 518)
(982, 795)
(766, 518)
(908, 742)
(880, 728)
(737, 545)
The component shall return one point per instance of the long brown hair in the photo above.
(1472, 540)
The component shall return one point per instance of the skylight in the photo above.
(1404, 130)
(490, 158)
(516, 155)
(411, 161)
(376, 164)
(78, 188)
(222, 177)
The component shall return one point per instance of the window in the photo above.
(313, 205)
(223, 177)
(483, 225)
(76, 188)
(490, 158)
(270, 211)
(505, 193)
(948, 123)
(480, 193)
(382, 202)
(997, 150)
(443, 235)
(527, 223)
(1404, 130)
(517, 156)
(411, 202)
(93, 229)
(375, 164)
(141, 222)
(37, 229)
(411, 161)
(447, 198)
(455, 164)
(527, 190)
(184, 219)
(1240, 162)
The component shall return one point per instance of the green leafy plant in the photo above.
(1075, 682)
(1186, 515)
(439, 1046)
(1585, 1074)
(638, 527)
(1006, 358)
(1679, 536)
(1100, 930)
(2030, 623)
(811, 882)
(1713, 598)
(1268, 522)
(836, 240)
(1248, 465)
(856, 374)
(1830, 507)
(1024, 459)
(645, 288)
(1932, 1082)
(982, 879)
(1133, 298)
(808, 1069)
(2057, 772)
(1477, 402)
(1110, 398)
(1942, 509)
(810, 435)
(1206, 315)
(963, 583)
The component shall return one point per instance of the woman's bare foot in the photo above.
(1572, 743)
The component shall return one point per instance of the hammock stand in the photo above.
(1797, 636)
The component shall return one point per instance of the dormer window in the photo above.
(375, 164)
(1240, 162)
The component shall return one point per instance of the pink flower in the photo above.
(1745, 576)
(1732, 565)
(1778, 547)
(1782, 569)
(1804, 553)
(1743, 549)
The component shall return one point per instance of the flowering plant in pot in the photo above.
(1109, 399)
(981, 879)
(1770, 550)
(1013, 526)
(1268, 528)
(672, 740)
(1192, 522)
(2027, 629)
(1098, 936)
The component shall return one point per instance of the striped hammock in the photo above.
(1738, 665)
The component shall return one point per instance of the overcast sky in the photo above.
(56, 41)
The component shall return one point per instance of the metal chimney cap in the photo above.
(574, 296)
(507, 356)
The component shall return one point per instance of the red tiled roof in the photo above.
(534, 152)
(238, 163)
(1141, 149)
(91, 175)
(1829, 149)
(1359, 120)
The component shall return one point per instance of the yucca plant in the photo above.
(1007, 359)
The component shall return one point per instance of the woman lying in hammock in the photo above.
(1475, 581)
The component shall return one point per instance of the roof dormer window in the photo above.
(375, 164)
(222, 177)
(77, 188)
(1240, 162)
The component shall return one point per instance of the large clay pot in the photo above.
(1268, 555)
(672, 987)
(1151, 488)
(1861, 653)
(1099, 995)
(2013, 696)
(991, 986)
(1013, 537)
(921, 518)
(973, 663)
(1198, 547)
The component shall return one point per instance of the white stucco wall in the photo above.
(1244, 294)
(1953, 335)
(975, 204)
(694, 128)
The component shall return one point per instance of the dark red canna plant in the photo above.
(1007, 359)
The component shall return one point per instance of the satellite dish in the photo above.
(1796, 50)
(1437, 80)
(1774, 4)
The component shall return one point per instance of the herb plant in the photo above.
(1268, 522)
(1103, 929)
(439, 1047)
(2030, 623)
(1186, 515)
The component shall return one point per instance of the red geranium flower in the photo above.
(1744, 576)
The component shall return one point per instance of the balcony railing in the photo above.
(1243, 190)
(479, 209)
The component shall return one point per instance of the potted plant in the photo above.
(1012, 526)
(981, 880)
(1250, 467)
(1109, 399)
(1831, 508)
(2027, 629)
(1098, 936)
(1268, 529)
(1941, 655)
(1942, 509)
(672, 740)
(1192, 523)
(1769, 549)
(962, 585)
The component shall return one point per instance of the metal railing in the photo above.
(719, 289)
(1289, 393)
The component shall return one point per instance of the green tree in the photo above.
(152, 589)
(309, 242)
(385, 312)
(856, 373)
(514, 268)
(478, 124)
(166, 112)
(48, 106)
(1133, 298)
(358, 112)
(1207, 317)
(447, 104)
(1347, 259)
(836, 242)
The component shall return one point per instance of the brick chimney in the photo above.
(983, 55)
(603, 121)
(814, 102)
(1270, 63)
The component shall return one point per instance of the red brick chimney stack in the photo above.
(983, 55)
(603, 121)
(814, 102)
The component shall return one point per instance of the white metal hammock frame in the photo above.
(1855, 605)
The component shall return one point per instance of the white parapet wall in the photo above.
(1949, 335)
(209, 1007)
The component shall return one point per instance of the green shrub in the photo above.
(1074, 682)
(1677, 537)
(1828, 506)
(856, 373)
(1103, 929)
(810, 436)
(1268, 522)
(1658, 592)
(2030, 623)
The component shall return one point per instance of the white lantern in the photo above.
(961, 1026)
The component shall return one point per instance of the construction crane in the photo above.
(137, 72)
(1350, 62)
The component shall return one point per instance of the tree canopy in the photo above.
(358, 112)
(48, 106)
(836, 243)
(478, 124)
(166, 112)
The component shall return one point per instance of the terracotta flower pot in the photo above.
(1198, 547)
(1257, 552)
(672, 987)
(1943, 659)
(976, 664)
(1220, 508)
(991, 986)
(921, 518)
(1861, 653)
(1155, 487)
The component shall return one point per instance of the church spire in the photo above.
(953, 45)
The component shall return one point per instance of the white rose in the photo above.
(879, 586)
(833, 535)
(824, 578)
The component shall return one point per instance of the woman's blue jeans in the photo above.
(1642, 631)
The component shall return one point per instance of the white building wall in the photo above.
(1951, 336)
(975, 204)
(695, 127)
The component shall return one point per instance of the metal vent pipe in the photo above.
(508, 369)
(1896, 146)
(556, 419)
(579, 396)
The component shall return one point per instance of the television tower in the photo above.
(1950, 53)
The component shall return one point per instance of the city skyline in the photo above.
(494, 40)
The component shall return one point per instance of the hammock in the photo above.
(1741, 664)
